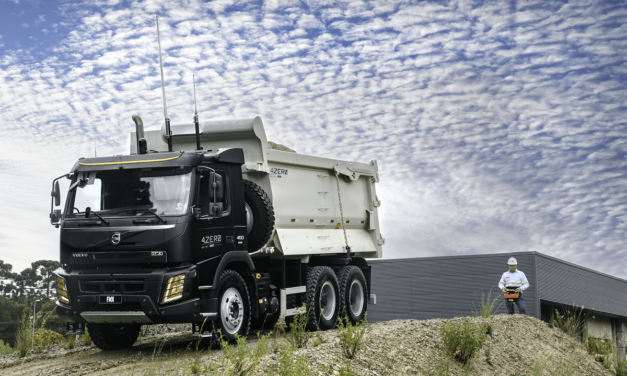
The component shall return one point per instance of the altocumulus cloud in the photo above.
(498, 126)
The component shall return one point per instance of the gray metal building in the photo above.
(446, 287)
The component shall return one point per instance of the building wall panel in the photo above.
(443, 287)
(562, 283)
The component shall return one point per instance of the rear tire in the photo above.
(113, 336)
(234, 306)
(260, 212)
(322, 297)
(353, 293)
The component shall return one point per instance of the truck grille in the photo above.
(95, 287)
(111, 256)
(104, 256)
(142, 257)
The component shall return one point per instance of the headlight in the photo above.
(174, 289)
(62, 294)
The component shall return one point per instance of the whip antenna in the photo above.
(198, 147)
(168, 134)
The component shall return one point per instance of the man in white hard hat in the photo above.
(514, 279)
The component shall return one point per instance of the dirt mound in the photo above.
(275, 146)
(411, 347)
(403, 347)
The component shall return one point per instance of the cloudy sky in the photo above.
(498, 125)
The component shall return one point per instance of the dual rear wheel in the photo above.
(331, 295)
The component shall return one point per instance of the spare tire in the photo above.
(259, 215)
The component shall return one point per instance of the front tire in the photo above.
(113, 336)
(322, 297)
(353, 293)
(234, 310)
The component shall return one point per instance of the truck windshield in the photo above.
(134, 192)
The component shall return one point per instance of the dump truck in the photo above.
(209, 226)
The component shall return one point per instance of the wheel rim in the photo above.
(327, 300)
(356, 297)
(232, 310)
(250, 219)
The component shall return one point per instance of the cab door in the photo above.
(213, 228)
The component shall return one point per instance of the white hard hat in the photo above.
(512, 261)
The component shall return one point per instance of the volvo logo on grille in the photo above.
(115, 238)
(79, 254)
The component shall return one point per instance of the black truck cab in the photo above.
(144, 237)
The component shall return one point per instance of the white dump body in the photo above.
(303, 189)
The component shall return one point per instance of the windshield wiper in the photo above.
(88, 211)
(156, 215)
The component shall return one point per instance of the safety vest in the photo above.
(515, 279)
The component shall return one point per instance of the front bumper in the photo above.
(84, 310)
(138, 307)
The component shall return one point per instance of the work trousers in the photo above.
(520, 302)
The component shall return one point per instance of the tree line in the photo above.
(20, 290)
(37, 281)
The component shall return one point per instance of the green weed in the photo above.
(298, 336)
(538, 368)
(488, 329)
(444, 367)
(70, 341)
(346, 370)
(294, 365)
(278, 332)
(152, 366)
(44, 337)
(566, 366)
(462, 339)
(194, 366)
(5, 349)
(242, 358)
(24, 335)
(488, 305)
(319, 340)
(85, 338)
(621, 365)
(571, 321)
(351, 336)
(601, 348)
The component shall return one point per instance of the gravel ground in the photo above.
(401, 347)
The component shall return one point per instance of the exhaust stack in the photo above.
(142, 146)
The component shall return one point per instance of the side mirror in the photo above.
(216, 187)
(55, 217)
(216, 194)
(56, 193)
